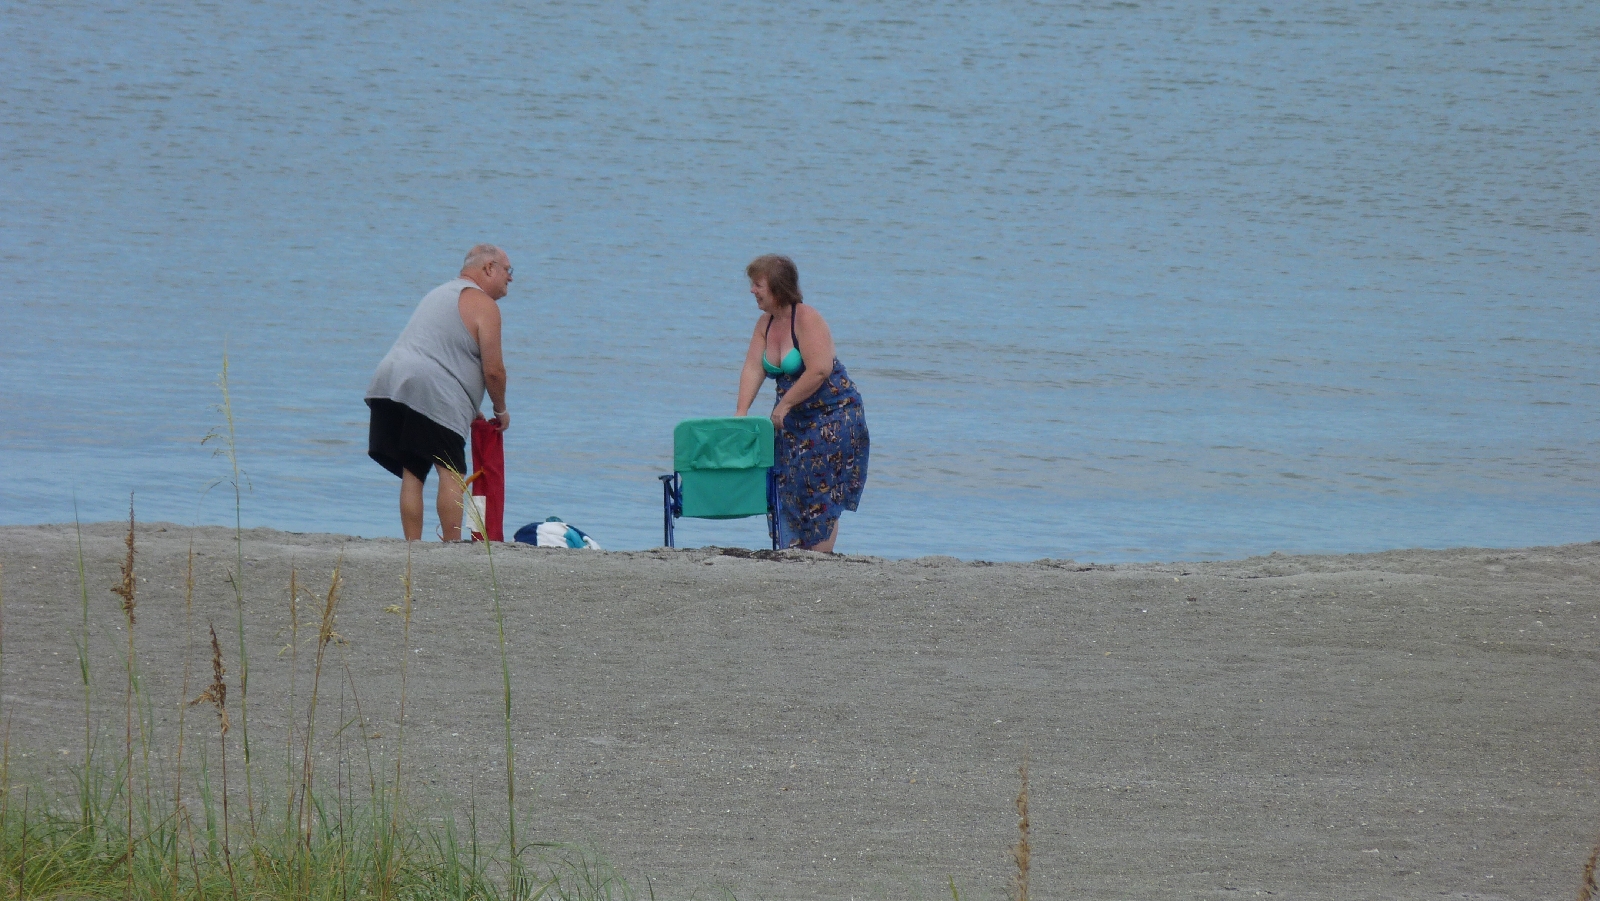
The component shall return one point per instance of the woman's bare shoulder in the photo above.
(806, 314)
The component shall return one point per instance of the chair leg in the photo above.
(666, 509)
(772, 507)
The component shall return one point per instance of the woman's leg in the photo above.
(448, 504)
(411, 505)
(825, 546)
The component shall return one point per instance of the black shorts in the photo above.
(402, 440)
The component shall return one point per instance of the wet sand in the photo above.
(1413, 724)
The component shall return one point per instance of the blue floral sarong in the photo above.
(821, 458)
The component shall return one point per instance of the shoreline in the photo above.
(1398, 724)
(756, 548)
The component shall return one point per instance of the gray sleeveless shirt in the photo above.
(435, 367)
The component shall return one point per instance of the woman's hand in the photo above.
(778, 413)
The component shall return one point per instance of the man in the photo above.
(429, 386)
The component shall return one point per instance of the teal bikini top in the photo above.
(793, 363)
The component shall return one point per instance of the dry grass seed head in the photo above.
(1587, 892)
(294, 612)
(126, 588)
(216, 694)
(325, 631)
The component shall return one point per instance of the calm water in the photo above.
(1119, 281)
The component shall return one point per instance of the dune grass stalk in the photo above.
(217, 695)
(376, 840)
(22, 845)
(5, 720)
(387, 845)
(127, 589)
(1589, 889)
(517, 876)
(81, 641)
(363, 728)
(306, 809)
(1022, 853)
(505, 681)
(339, 767)
(2, 663)
(405, 658)
(294, 680)
(183, 707)
(229, 448)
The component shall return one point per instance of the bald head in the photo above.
(489, 268)
(480, 254)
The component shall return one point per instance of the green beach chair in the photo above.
(722, 469)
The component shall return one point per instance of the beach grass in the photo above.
(505, 675)
(119, 831)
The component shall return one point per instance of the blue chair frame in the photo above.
(672, 506)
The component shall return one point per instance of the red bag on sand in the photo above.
(489, 477)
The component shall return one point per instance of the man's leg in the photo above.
(448, 503)
(411, 505)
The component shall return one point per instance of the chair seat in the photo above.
(724, 493)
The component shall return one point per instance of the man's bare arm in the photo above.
(481, 316)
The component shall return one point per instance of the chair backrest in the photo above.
(723, 465)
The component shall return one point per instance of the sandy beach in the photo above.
(1412, 724)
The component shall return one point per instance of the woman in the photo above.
(820, 424)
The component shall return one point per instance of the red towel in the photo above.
(489, 466)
